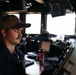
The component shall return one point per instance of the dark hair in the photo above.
(1, 37)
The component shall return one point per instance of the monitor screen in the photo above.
(45, 45)
(35, 21)
(61, 25)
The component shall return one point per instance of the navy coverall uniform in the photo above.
(10, 64)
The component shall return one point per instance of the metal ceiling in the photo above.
(38, 5)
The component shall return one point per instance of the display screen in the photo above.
(45, 45)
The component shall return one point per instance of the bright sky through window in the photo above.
(35, 20)
(61, 25)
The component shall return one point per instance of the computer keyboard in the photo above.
(28, 63)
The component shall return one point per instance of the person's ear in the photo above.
(3, 32)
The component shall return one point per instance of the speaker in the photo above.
(17, 4)
(58, 9)
(73, 2)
